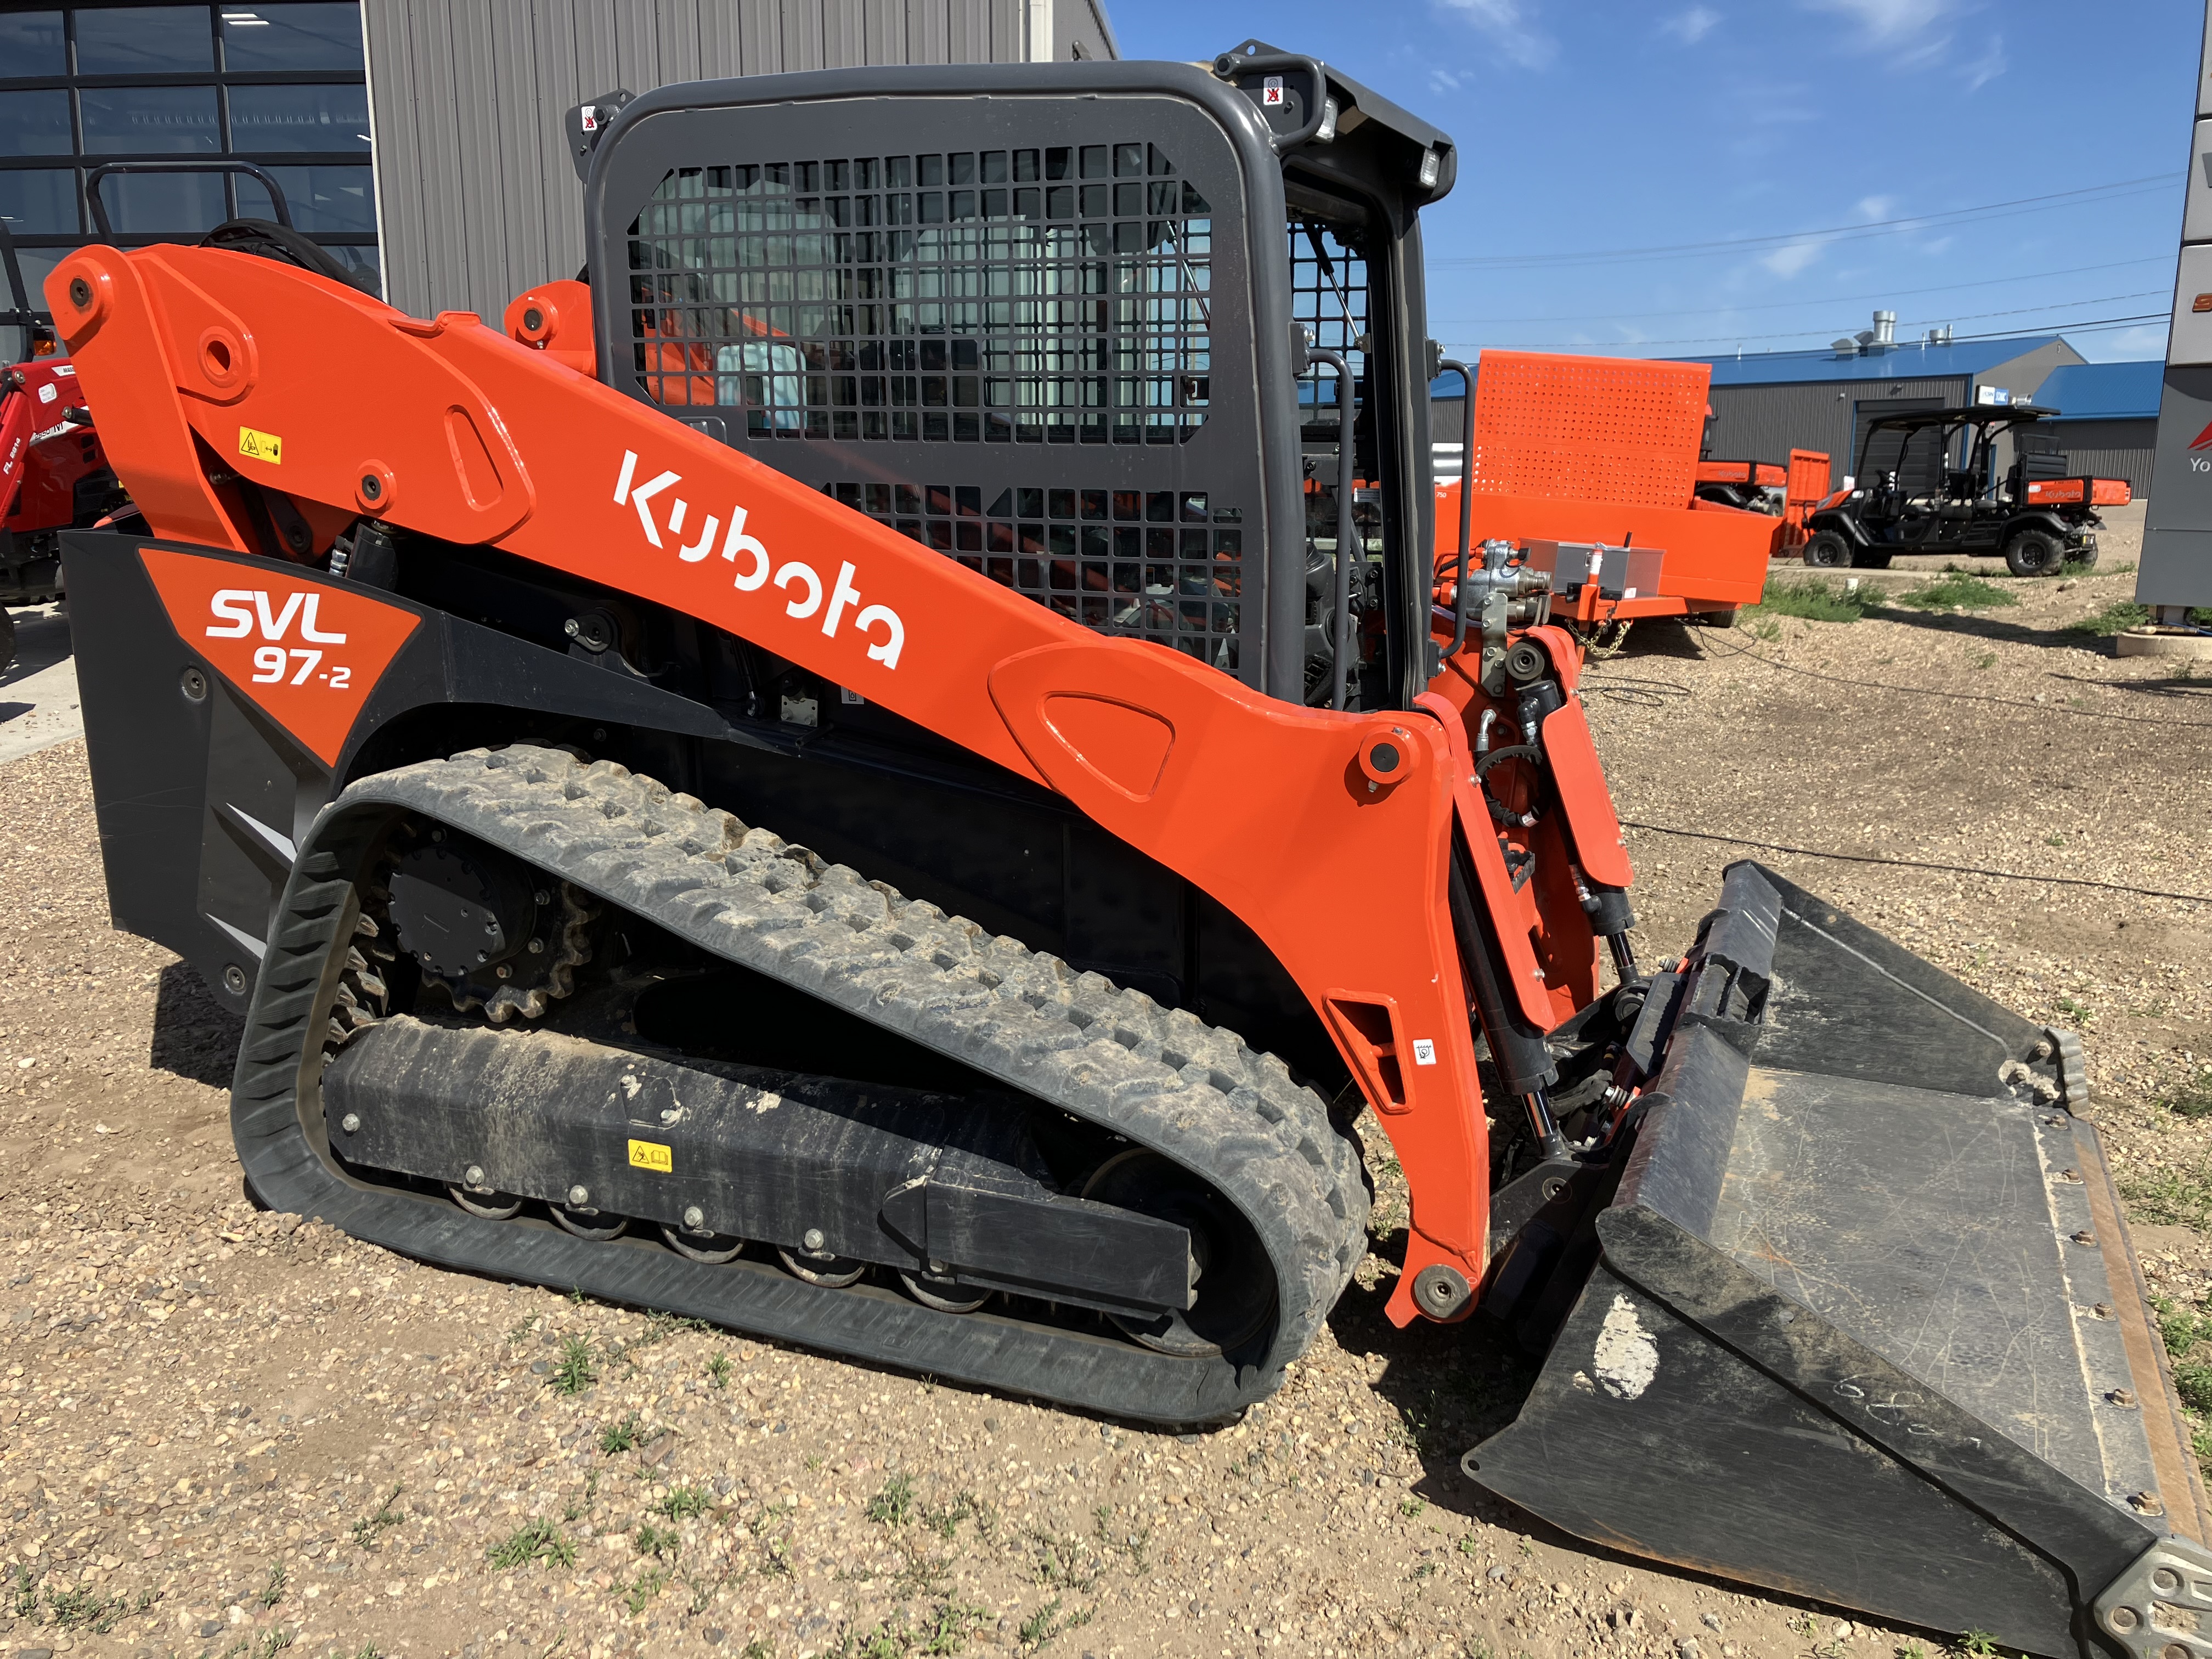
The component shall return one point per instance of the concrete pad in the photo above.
(38, 693)
(2163, 642)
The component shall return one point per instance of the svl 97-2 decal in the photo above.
(307, 654)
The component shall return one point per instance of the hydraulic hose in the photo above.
(1466, 503)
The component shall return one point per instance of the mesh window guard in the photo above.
(1328, 296)
(1141, 563)
(1055, 294)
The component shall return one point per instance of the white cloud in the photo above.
(1938, 244)
(2128, 345)
(1876, 208)
(1791, 258)
(1888, 22)
(1515, 36)
(1986, 67)
(1910, 33)
(1693, 26)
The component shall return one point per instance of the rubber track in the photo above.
(1163, 1078)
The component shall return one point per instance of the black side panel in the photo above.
(149, 744)
(201, 797)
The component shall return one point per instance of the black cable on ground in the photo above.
(1636, 692)
(1910, 863)
(1960, 697)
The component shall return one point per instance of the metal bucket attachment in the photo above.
(1864, 1325)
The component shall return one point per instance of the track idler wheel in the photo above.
(831, 1271)
(588, 1223)
(1235, 1288)
(482, 1200)
(712, 1248)
(946, 1295)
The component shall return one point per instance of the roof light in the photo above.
(1432, 165)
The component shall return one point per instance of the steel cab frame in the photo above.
(1071, 192)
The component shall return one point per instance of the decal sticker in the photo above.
(799, 585)
(47, 393)
(260, 446)
(651, 1155)
(306, 653)
(1271, 91)
(1425, 1051)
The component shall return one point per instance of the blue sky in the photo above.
(1800, 130)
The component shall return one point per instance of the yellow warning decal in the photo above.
(651, 1155)
(260, 446)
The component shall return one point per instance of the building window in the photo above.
(280, 83)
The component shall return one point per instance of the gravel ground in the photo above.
(226, 1433)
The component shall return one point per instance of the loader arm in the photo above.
(1329, 834)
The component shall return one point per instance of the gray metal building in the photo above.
(476, 197)
(418, 141)
(278, 86)
(2107, 418)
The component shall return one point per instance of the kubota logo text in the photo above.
(239, 610)
(808, 595)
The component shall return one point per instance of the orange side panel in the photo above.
(1808, 476)
(1623, 431)
(1741, 472)
(2067, 492)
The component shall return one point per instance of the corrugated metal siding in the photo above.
(1766, 422)
(2111, 449)
(476, 198)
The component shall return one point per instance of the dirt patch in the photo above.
(225, 1433)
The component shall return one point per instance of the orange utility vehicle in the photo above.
(1592, 462)
(869, 859)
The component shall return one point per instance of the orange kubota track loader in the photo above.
(819, 780)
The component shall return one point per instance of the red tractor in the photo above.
(52, 475)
